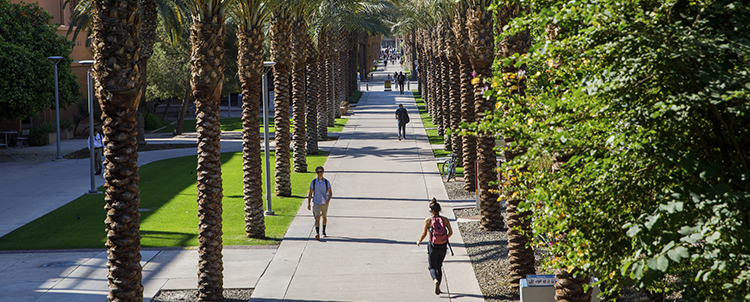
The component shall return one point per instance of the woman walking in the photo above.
(440, 230)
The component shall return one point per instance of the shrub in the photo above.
(38, 134)
(153, 122)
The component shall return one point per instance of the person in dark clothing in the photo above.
(401, 78)
(436, 251)
(403, 118)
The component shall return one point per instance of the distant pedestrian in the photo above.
(98, 150)
(320, 194)
(403, 118)
(440, 230)
(395, 78)
(400, 79)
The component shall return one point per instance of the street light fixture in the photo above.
(87, 64)
(267, 66)
(55, 60)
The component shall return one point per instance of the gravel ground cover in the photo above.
(191, 295)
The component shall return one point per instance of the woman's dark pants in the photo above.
(436, 255)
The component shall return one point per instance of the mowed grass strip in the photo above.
(235, 124)
(168, 210)
(432, 134)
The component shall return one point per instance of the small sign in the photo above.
(540, 280)
(387, 85)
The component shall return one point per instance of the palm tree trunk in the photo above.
(323, 88)
(340, 85)
(333, 94)
(298, 95)
(147, 34)
(207, 72)
(311, 100)
(116, 46)
(468, 142)
(311, 113)
(445, 100)
(569, 286)
(520, 256)
(280, 42)
(250, 70)
(454, 95)
(479, 25)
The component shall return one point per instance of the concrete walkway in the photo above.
(381, 190)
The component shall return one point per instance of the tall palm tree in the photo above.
(115, 70)
(479, 25)
(250, 16)
(454, 90)
(207, 77)
(311, 95)
(280, 31)
(171, 13)
(445, 82)
(323, 84)
(520, 254)
(147, 33)
(468, 142)
(299, 60)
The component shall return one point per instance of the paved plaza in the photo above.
(381, 188)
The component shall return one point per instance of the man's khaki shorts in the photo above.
(320, 209)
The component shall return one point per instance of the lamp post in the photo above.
(87, 64)
(55, 60)
(266, 68)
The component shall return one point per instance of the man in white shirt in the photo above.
(98, 149)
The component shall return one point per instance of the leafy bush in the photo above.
(153, 122)
(27, 38)
(642, 105)
(38, 135)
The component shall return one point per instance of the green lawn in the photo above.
(227, 124)
(169, 210)
(354, 98)
(235, 124)
(432, 134)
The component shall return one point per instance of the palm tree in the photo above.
(207, 77)
(172, 14)
(116, 51)
(446, 82)
(479, 25)
(280, 41)
(454, 91)
(520, 254)
(311, 96)
(468, 142)
(250, 16)
(323, 84)
(299, 60)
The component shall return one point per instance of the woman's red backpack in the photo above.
(439, 234)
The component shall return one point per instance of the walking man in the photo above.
(401, 79)
(98, 148)
(320, 193)
(403, 118)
